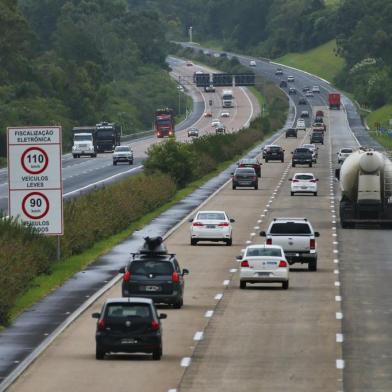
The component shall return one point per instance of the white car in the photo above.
(309, 94)
(344, 153)
(316, 89)
(264, 264)
(225, 114)
(252, 63)
(314, 150)
(211, 226)
(123, 154)
(301, 124)
(215, 122)
(304, 183)
(290, 78)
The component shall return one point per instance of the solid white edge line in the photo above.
(247, 123)
(209, 313)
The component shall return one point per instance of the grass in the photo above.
(261, 99)
(62, 271)
(381, 116)
(320, 61)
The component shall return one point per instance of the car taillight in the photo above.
(312, 180)
(269, 241)
(197, 224)
(245, 264)
(101, 325)
(295, 180)
(224, 224)
(175, 277)
(312, 244)
(154, 325)
(282, 264)
(127, 276)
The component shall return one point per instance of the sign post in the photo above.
(34, 178)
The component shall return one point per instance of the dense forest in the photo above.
(78, 62)
(272, 28)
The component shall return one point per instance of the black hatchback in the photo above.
(154, 273)
(291, 132)
(274, 153)
(128, 325)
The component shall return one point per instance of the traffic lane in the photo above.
(365, 275)
(73, 352)
(289, 335)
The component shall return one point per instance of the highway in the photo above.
(328, 332)
(85, 174)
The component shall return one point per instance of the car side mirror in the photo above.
(317, 234)
(121, 270)
(290, 179)
(283, 150)
(238, 258)
(185, 271)
(232, 220)
(190, 220)
(263, 234)
(232, 173)
(317, 179)
(96, 315)
(162, 316)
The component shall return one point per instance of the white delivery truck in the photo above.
(227, 99)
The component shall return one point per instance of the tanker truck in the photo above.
(366, 189)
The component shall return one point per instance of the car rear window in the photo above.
(274, 149)
(290, 228)
(303, 177)
(143, 267)
(211, 216)
(272, 252)
(346, 150)
(302, 150)
(121, 310)
(245, 171)
(122, 149)
(248, 162)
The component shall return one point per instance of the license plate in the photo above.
(128, 341)
(304, 187)
(263, 274)
(210, 226)
(152, 288)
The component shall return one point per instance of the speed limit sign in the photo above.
(35, 183)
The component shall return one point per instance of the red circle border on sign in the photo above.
(45, 165)
(38, 194)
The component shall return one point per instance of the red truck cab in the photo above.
(334, 101)
(164, 123)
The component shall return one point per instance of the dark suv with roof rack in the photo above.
(274, 153)
(154, 273)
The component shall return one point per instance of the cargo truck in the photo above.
(107, 136)
(366, 189)
(227, 99)
(164, 123)
(84, 141)
(334, 101)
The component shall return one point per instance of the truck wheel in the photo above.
(282, 160)
(310, 164)
(312, 266)
(315, 193)
(285, 285)
(242, 285)
(256, 187)
(292, 193)
(293, 164)
(93, 155)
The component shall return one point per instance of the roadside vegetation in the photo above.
(127, 206)
(378, 122)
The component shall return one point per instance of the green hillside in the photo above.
(321, 61)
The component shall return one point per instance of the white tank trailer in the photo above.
(366, 189)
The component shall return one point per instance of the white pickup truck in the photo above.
(297, 238)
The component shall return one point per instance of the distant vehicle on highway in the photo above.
(220, 129)
(291, 132)
(265, 149)
(279, 71)
(251, 162)
(209, 89)
(344, 153)
(215, 122)
(316, 89)
(154, 273)
(317, 137)
(128, 325)
(292, 91)
(297, 238)
(309, 94)
(227, 98)
(123, 154)
(211, 226)
(164, 123)
(319, 113)
(189, 63)
(84, 142)
(264, 264)
(301, 126)
(207, 114)
(302, 101)
(244, 177)
(252, 63)
(305, 89)
(312, 147)
(290, 79)
(334, 101)
(274, 153)
(304, 114)
(193, 132)
(302, 156)
(283, 84)
(303, 183)
(225, 114)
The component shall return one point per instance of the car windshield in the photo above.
(121, 310)
(83, 138)
(211, 216)
(306, 177)
(346, 150)
(166, 122)
(272, 252)
(290, 228)
(122, 149)
(244, 171)
(146, 267)
(274, 149)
